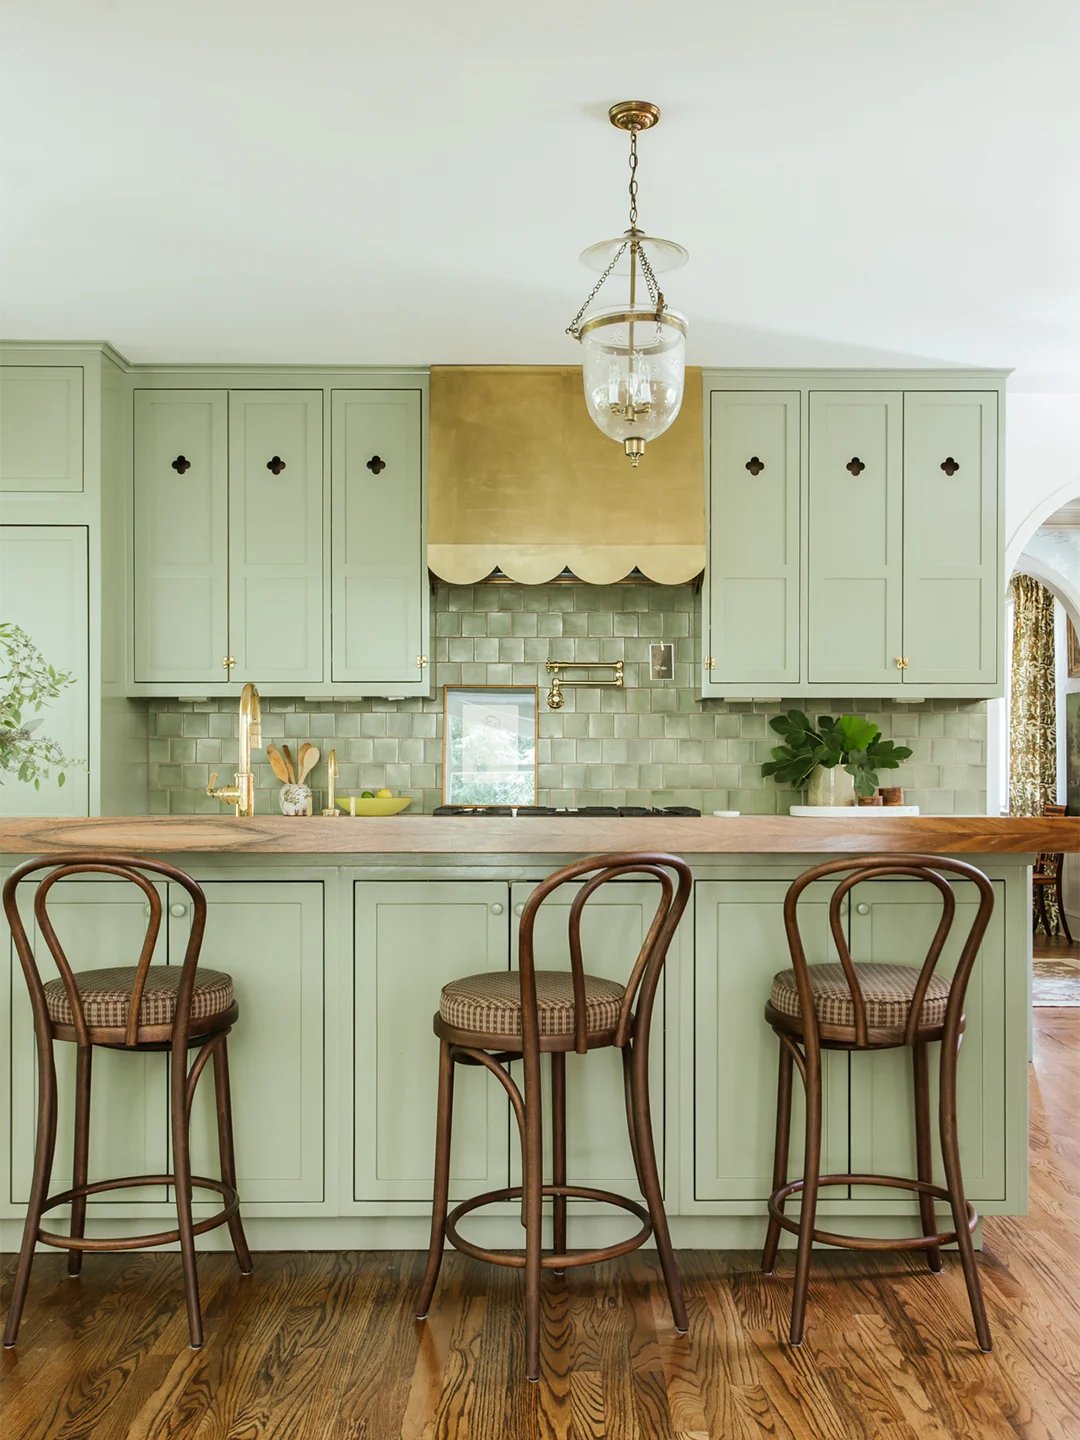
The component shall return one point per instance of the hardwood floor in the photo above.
(324, 1347)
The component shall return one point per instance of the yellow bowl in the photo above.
(355, 805)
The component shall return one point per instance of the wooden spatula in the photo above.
(277, 764)
(307, 760)
(289, 765)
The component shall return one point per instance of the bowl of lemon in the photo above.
(374, 802)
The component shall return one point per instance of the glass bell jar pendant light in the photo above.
(634, 354)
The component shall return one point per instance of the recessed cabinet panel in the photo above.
(754, 537)
(856, 549)
(275, 535)
(181, 610)
(951, 545)
(268, 935)
(43, 589)
(41, 428)
(379, 580)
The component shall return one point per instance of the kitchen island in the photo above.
(339, 934)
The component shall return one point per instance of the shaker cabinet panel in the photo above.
(181, 524)
(41, 428)
(951, 544)
(43, 590)
(379, 571)
(856, 540)
(276, 535)
(754, 538)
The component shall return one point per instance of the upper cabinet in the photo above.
(854, 538)
(41, 428)
(279, 538)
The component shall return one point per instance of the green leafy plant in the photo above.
(27, 682)
(846, 740)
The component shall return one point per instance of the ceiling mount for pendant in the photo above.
(634, 354)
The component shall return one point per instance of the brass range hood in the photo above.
(522, 484)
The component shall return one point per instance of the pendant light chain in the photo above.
(574, 328)
(633, 177)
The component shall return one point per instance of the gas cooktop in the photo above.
(595, 811)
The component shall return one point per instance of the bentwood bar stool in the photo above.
(131, 1007)
(493, 1019)
(857, 1006)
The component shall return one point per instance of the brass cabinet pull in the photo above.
(421, 661)
(228, 663)
(180, 464)
(754, 465)
(855, 465)
(376, 465)
(901, 662)
(949, 465)
(275, 464)
(710, 662)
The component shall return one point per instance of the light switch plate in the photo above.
(662, 661)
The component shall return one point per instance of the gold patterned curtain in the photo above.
(1033, 705)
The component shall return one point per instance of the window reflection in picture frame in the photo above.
(489, 745)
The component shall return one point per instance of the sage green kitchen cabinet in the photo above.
(856, 554)
(98, 923)
(181, 526)
(752, 605)
(41, 429)
(890, 923)
(739, 946)
(268, 935)
(44, 589)
(379, 591)
(410, 939)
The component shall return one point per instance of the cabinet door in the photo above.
(275, 535)
(895, 921)
(754, 538)
(181, 486)
(952, 595)
(268, 935)
(41, 428)
(411, 938)
(98, 923)
(613, 927)
(378, 563)
(43, 589)
(740, 947)
(856, 538)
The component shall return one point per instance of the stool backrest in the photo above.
(928, 868)
(675, 882)
(1050, 862)
(120, 867)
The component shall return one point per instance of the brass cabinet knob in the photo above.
(228, 662)
(710, 662)
(421, 661)
(901, 662)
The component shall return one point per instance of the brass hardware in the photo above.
(331, 784)
(855, 465)
(275, 464)
(634, 115)
(555, 698)
(241, 793)
(710, 662)
(901, 662)
(421, 661)
(950, 466)
(754, 465)
(228, 662)
(180, 464)
(376, 465)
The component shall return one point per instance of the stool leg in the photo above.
(80, 1163)
(954, 1180)
(808, 1211)
(923, 1149)
(1059, 892)
(443, 1125)
(642, 1142)
(1044, 918)
(558, 1147)
(182, 1182)
(226, 1151)
(533, 1192)
(628, 1094)
(780, 1154)
(44, 1149)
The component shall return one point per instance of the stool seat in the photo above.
(106, 996)
(490, 1004)
(887, 991)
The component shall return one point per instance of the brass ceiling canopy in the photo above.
(634, 366)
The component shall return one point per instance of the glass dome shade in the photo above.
(663, 255)
(633, 370)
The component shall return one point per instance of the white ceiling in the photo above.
(857, 181)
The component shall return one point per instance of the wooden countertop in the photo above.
(534, 835)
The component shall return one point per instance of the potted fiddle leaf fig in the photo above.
(28, 682)
(835, 760)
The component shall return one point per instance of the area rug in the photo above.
(1056, 981)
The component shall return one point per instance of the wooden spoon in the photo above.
(304, 748)
(277, 764)
(308, 758)
(289, 764)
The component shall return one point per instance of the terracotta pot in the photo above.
(891, 794)
(870, 800)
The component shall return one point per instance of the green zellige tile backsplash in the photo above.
(652, 743)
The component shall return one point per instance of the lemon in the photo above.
(384, 794)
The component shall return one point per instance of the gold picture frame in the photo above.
(1072, 650)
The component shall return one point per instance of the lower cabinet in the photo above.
(410, 939)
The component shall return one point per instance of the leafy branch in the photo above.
(28, 683)
(844, 740)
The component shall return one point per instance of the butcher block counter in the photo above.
(339, 933)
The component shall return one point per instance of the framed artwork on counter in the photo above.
(489, 745)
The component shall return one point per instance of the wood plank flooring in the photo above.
(324, 1346)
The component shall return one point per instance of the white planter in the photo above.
(832, 786)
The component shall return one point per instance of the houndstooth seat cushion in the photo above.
(491, 1003)
(887, 991)
(106, 996)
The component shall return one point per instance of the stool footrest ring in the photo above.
(861, 1242)
(137, 1242)
(549, 1261)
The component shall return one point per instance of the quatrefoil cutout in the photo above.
(949, 465)
(275, 465)
(181, 463)
(754, 465)
(376, 464)
(855, 465)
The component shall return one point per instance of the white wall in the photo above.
(1042, 463)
